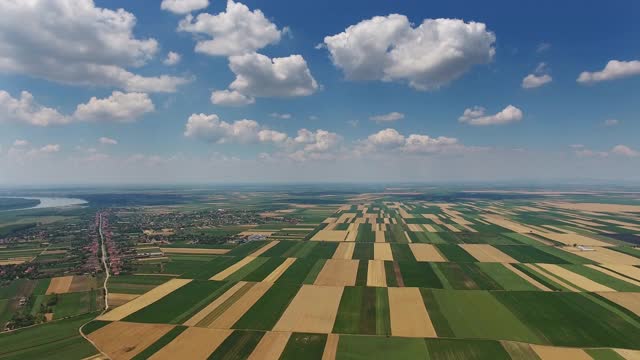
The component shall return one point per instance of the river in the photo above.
(48, 202)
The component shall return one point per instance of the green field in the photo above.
(479, 310)
(266, 312)
(304, 346)
(570, 319)
(363, 310)
(238, 345)
(180, 304)
(57, 340)
(478, 315)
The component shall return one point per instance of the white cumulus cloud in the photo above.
(539, 77)
(211, 129)
(613, 70)
(25, 109)
(416, 143)
(386, 137)
(476, 116)
(76, 42)
(173, 58)
(392, 140)
(235, 31)
(273, 136)
(318, 141)
(533, 81)
(230, 98)
(392, 116)
(119, 107)
(313, 145)
(428, 56)
(183, 6)
(259, 76)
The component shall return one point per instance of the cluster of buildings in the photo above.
(115, 260)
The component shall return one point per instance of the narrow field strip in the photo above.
(552, 277)
(606, 256)
(240, 307)
(277, 272)
(202, 314)
(376, 275)
(575, 279)
(559, 353)
(144, 300)
(531, 280)
(233, 268)
(626, 270)
(614, 274)
(194, 251)
(331, 347)
(265, 248)
(630, 301)
(270, 346)
(571, 239)
(225, 305)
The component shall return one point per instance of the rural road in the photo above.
(106, 268)
(106, 290)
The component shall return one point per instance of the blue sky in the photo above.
(308, 80)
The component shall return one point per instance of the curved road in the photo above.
(106, 290)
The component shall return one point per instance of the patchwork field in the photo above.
(477, 279)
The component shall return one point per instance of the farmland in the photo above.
(353, 277)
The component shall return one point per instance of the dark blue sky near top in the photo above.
(569, 37)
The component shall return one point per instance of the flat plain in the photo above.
(372, 276)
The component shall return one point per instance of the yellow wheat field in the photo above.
(270, 346)
(376, 275)
(313, 309)
(426, 252)
(123, 340)
(487, 253)
(338, 273)
(408, 314)
(144, 300)
(193, 343)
